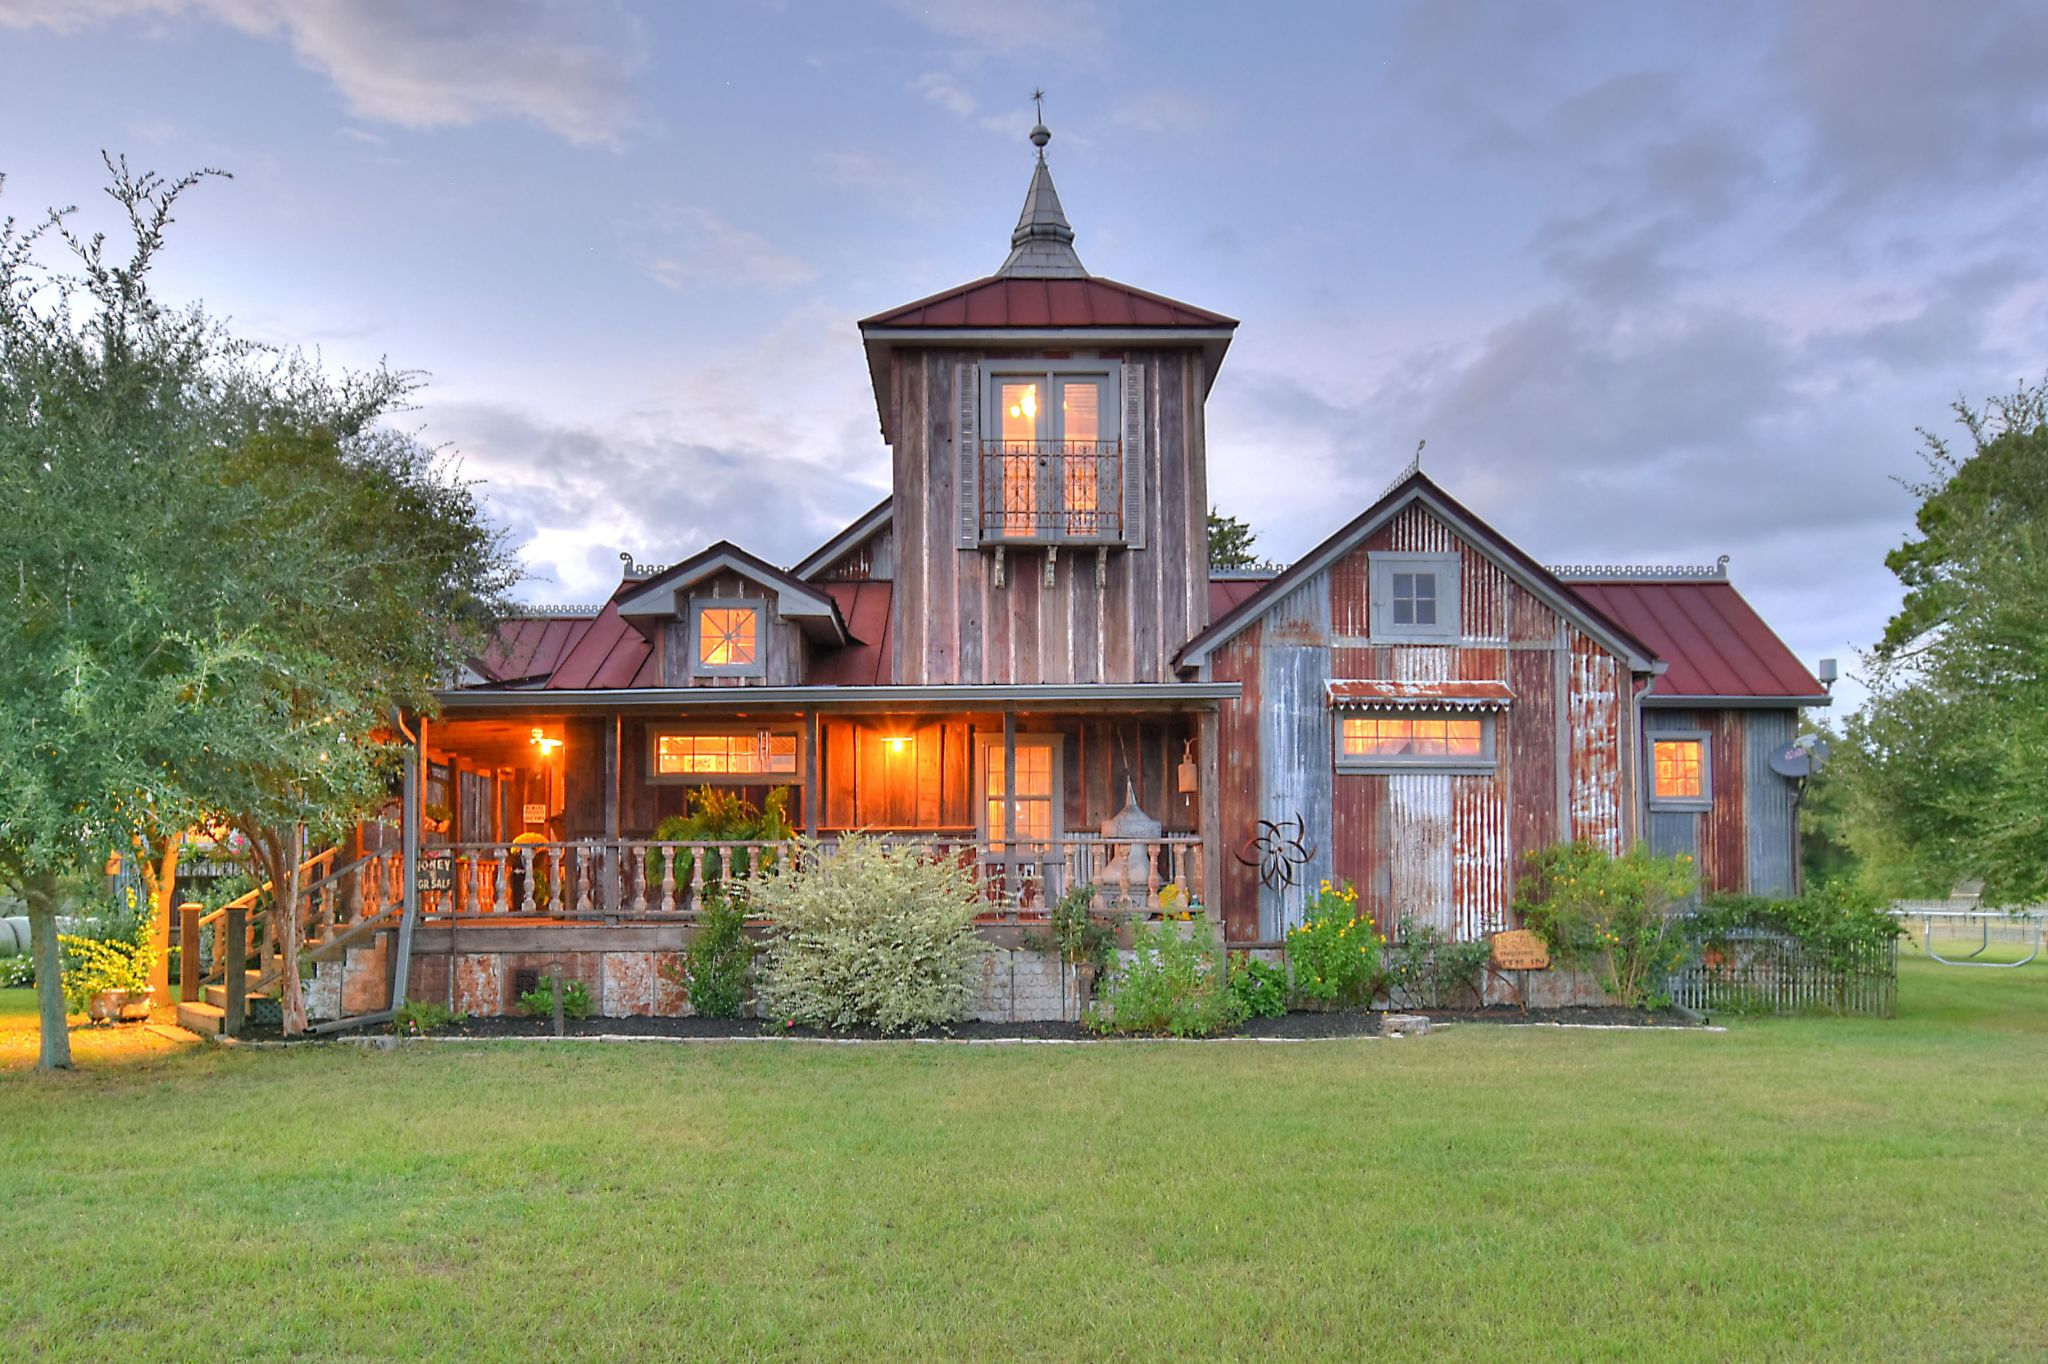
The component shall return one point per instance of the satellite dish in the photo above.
(1792, 761)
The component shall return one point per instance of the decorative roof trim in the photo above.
(552, 611)
(795, 599)
(1621, 573)
(1365, 694)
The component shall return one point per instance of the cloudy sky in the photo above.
(1655, 282)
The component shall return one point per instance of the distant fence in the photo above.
(1756, 971)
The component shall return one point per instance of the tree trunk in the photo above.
(160, 874)
(291, 996)
(40, 890)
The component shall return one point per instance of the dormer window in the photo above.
(1414, 598)
(1051, 458)
(725, 638)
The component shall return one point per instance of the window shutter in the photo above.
(967, 386)
(1134, 456)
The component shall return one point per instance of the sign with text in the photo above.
(436, 875)
(1520, 950)
(534, 814)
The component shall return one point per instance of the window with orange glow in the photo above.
(1036, 787)
(1679, 769)
(1420, 740)
(764, 753)
(727, 636)
(1051, 454)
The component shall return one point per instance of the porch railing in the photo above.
(619, 879)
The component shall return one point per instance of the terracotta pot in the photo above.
(135, 1008)
(106, 1006)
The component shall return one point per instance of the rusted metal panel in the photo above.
(1238, 764)
(1595, 729)
(1480, 852)
(1358, 840)
(1419, 854)
(1724, 842)
(1768, 807)
(1531, 749)
(1350, 586)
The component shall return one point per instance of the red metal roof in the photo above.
(1713, 641)
(1011, 302)
(1423, 695)
(611, 653)
(1225, 594)
(530, 646)
(864, 663)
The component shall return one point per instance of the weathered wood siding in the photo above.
(782, 643)
(1745, 842)
(1439, 846)
(1121, 621)
(872, 560)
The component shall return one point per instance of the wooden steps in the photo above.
(204, 1019)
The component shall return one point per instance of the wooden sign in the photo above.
(435, 875)
(533, 814)
(1520, 950)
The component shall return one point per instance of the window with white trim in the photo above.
(1051, 452)
(729, 754)
(1036, 796)
(726, 637)
(1414, 597)
(1393, 739)
(1681, 771)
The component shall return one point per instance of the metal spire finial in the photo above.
(1042, 247)
(1040, 134)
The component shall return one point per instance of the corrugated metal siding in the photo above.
(1481, 873)
(1724, 841)
(1595, 729)
(1295, 739)
(1238, 767)
(1421, 853)
(1773, 846)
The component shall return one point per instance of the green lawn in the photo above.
(1799, 1189)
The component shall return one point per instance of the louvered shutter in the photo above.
(966, 477)
(1134, 456)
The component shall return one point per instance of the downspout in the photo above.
(409, 827)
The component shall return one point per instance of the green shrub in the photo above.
(576, 1001)
(417, 1016)
(1173, 985)
(1427, 969)
(1260, 988)
(874, 935)
(1838, 926)
(95, 964)
(1615, 915)
(1334, 952)
(1074, 934)
(715, 966)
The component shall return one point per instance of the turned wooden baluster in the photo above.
(638, 853)
(697, 855)
(526, 901)
(668, 880)
(501, 882)
(557, 855)
(583, 859)
(1152, 882)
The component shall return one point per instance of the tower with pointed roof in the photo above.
(1050, 491)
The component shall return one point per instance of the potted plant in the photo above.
(107, 979)
(436, 818)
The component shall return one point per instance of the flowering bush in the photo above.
(872, 936)
(95, 964)
(1335, 950)
(1175, 984)
(1612, 914)
(1259, 988)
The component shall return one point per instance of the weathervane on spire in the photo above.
(1040, 134)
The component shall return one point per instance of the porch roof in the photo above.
(1122, 696)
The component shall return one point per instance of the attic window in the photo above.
(725, 638)
(1680, 775)
(1414, 598)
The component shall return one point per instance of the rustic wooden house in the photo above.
(1022, 655)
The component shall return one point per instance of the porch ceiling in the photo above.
(1124, 698)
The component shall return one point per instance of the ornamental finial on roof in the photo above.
(1042, 247)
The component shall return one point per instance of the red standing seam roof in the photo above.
(1226, 593)
(865, 662)
(1000, 301)
(530, 646)
(611, 653)
(1713, 642)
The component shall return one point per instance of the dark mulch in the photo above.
(1297, 1026)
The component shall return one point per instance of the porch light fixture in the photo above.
(898, 743)
(542, 742)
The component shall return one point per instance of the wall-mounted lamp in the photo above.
(1190, 781)
(898, 743)
(546, 745)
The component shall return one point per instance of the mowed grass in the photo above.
(1817, 1189)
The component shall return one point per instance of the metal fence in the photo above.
(1757, 971)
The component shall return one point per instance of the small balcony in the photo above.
(1038, 492)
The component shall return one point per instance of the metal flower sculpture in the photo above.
(1277, 849)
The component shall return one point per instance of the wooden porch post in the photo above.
(1209, 738)
(810, 774)
(611, 816)
(1011, 862)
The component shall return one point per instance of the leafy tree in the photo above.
(219, 574)
(1948, 774)
(1827, 853)
(1230, 542)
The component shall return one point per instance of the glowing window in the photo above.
(754, 753)
(1037, 786)
(1051, 456)
(1678, 770)
(727, 640)
(1424, 740)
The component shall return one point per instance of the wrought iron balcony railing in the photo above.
(1052, 492)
